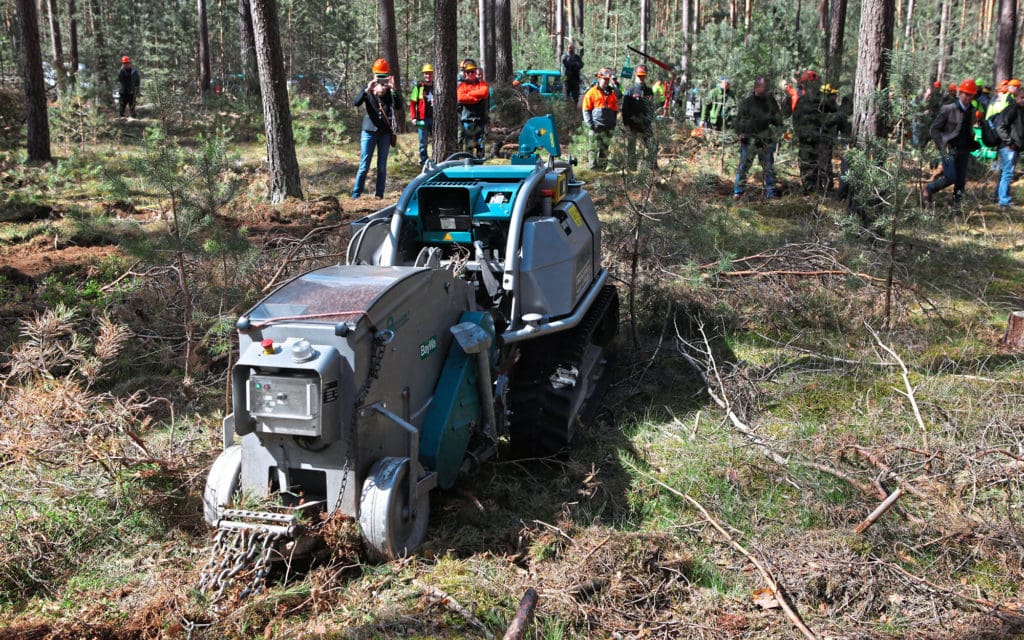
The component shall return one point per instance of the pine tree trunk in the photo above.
(204, 47)
(277, 116)
(485, 31)
(875, 40)
(836, 34)
(579, 25)
(940, 71)
(503, 70)
(556, 8)
(1005, 37)
(908, 31)
(389, 44)
(247, 43)
(686, 17)
(37, 118)
(446, 121)
(645, 9)
(57, 47)
(73, 36)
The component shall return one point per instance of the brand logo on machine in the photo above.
(428, 347)
(396, 324)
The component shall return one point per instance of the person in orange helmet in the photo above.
(379, 129)
(128, 81)
(600, 113)
(953, 134)
(474, 98)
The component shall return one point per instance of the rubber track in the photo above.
(540, 424)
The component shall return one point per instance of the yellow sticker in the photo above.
(574, 213)
(448, 237)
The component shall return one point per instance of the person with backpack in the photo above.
(1009, 127)
(953, 134)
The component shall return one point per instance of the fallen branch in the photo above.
(436, 595)
(524, 615)
(298, 245)
(909, 393)
(1012, 614)
(878, 512)
(778, 592)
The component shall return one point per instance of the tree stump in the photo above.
(1014, 336)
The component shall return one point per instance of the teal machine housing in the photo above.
(455, 411)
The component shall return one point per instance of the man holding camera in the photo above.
(379, 130)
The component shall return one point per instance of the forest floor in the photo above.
(781, 371)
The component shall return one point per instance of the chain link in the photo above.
(235, 551)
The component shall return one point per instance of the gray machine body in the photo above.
(302, 436)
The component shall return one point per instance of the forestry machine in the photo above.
(475, 309)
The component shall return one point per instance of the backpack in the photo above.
(989, 137)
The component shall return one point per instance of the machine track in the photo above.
(544, 415)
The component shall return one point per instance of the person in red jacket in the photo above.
(474, 102)
(421, 109)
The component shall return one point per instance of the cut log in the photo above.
(1014, 336)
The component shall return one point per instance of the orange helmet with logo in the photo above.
(381, 67)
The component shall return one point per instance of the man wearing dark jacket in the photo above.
(953, 134)
(814, 127)
(758, 122)
(1009, 126)
(573, 65)
(638, 120)
(381, 103)
(128, 81)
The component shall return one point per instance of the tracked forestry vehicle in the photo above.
(472, 311)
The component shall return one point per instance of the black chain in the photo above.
(379, 345)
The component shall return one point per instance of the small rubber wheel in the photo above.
(222, 483)
(390, 529)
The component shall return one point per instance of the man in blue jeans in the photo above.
(758, 122)
(953, 134)
(381, 104)
(1009, 126)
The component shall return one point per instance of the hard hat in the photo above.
(641, 70)
(125, 59)
(969, 87)
(427, 68)
(936, 84)
(952, 86)
(1001, 87)
(1013, 82)
(809, 76)
(469, 66)
(381, 67)
(604, 72)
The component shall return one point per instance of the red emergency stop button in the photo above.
(268, 346)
